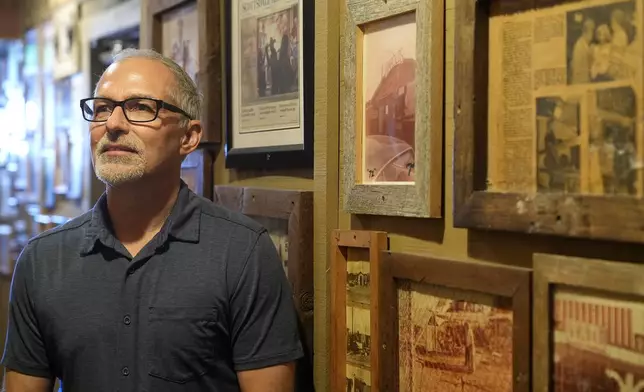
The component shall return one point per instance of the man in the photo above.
(582, 54)
(155, 289)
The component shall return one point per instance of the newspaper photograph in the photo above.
(268, 65)
(570, 84)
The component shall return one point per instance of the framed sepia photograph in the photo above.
(448, 326)
(269, 84)
(355, 260)
(392, 107)
(188, 31)
(67, 51)
(589, 325)
(287, 215)
(548, 118)
(197, 171)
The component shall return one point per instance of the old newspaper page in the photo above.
(565, 99)
(268, 65)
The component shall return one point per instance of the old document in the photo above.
(565, 101)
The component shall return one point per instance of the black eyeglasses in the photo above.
(136, 110)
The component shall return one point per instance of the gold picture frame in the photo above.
(416, 107)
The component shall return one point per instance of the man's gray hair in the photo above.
(185, 93)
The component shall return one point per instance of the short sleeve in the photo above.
(264, 326)
(24, 350)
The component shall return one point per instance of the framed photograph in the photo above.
(288, 217)
(589, 329)
(355, 260)
(269, 84)
(450, 325)
(67, 50)
(197, 171)
(189, 32)
(549, 128)
(392, 107)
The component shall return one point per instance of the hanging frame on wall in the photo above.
(269, 84)
(545, 144)
(392, 107)
(197, 171)
(188, 31)
(67, 55)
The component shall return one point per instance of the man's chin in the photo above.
(119, 177)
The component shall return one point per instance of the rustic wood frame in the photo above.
(569, 215)
(201, 164)
(275, 157)
(375, 241)
(508, 282)
(576, 272)
(424, 197)
(296, 207)
(210, 54)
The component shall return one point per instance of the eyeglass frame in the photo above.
(161, 104)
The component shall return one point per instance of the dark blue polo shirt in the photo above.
(206, 298)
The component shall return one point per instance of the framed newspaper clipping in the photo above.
(269, 84)
(588, 329)
(392, 107)
(548, 112)
(188, 31)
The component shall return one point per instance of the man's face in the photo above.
(156, 145)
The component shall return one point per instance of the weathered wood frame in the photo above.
(573, 272)
(296, 207)
(424, 197)
(210, 53)
(274, 157)
(508, 282)
(570, 215)
(201, 164)
(342, 240)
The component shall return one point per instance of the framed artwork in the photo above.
(548, 132)
(355, 261)
(66, 40)
(288, 217)
(588, 324)
(392, 107)
(188, 31)
(269, 84)
(450, 325)
(197, 171)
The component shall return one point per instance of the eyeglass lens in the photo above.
(136, 109)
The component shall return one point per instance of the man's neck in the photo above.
(138, 211)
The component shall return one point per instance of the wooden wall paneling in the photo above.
(325, 174)
(209, 75)
(342, 297)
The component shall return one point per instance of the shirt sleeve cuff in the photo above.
(253, 364)
(19, 367)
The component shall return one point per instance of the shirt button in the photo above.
(127, 320)
(125, 371)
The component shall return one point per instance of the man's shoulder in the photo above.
(223, 218)
(72, 231)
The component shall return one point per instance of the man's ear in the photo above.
(191, 138)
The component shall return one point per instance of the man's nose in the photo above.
(116, 122)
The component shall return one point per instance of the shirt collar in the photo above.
(183, 223)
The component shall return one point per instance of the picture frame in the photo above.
(390, 123)
(255, 139)
(467, 310)
(288, 217)
(201, 21)
(197, 171)
(355, 286)
(558, 138)
(578, 311)
(67, 51)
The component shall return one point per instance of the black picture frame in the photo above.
(274, 157)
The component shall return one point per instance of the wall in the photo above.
(436, 237)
